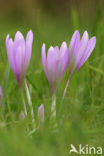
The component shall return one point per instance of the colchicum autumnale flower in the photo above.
(80, 50)
(55, 64)
(54, 67)
(78, 53)
(19, 54)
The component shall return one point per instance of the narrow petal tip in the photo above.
(18, 36)
(43, 50)
(30, 33)
(43, 56)
(7, 39)
(76, 32)
(51, 48)
(64, 44)
(29, 37)
(43, 46)
(85, 34)
(94, 39)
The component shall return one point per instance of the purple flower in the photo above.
(41, 112)
(1, 95)
(80, 50)
(19, 54)
(55, 64)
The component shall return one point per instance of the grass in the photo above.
(80, 116)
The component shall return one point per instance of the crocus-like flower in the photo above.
(41, 112)
(1, 95)
(19, 54)
(78, 53)
(80, 50)
(55, 64)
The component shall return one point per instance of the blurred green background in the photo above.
(80, 116)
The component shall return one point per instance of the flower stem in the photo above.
(53, 107)
(24, 104)
(67, 84)
(29, 101)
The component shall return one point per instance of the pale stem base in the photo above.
(53, 107)
(24, 104)
(67, 84)
(29, 101)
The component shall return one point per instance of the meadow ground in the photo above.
(80, 116)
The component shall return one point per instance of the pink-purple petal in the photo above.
(63, 58)
(10, 53)
(74, 41)
(43, 55)
(19, 36)
(82, 47)
(29, 41)
(19, 60)
(44, 60)
(88, 51)
(73, 49)
(51, 61)
(63, 49)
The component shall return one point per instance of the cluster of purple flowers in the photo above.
(72, 57)
(55, 64)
